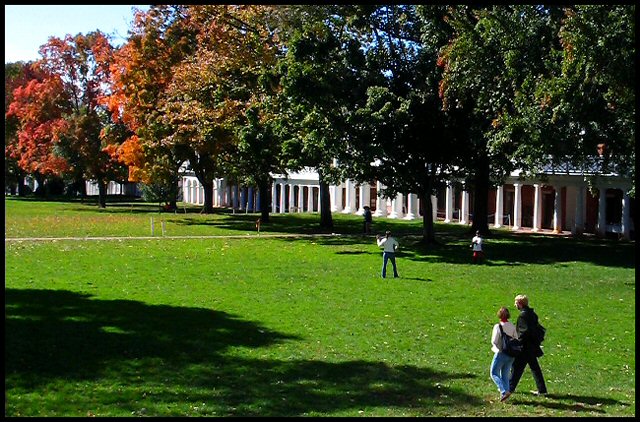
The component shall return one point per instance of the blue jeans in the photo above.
(500, 370)
(389, 256)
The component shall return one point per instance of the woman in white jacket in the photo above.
(501, 363)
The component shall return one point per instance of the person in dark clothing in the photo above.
(526, 327)
(368, 219)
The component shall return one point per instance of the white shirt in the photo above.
(496, 341)
(390, 244)
(477, 243)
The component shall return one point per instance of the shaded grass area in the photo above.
(165, 348)
(290, 326)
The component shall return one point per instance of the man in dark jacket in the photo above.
(527, 326)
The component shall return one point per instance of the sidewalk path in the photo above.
(523, 231)
(236, 236)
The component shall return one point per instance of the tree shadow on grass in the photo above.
(506, 249)
(500, 250)
(166, 357)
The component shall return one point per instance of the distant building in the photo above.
(561, 202)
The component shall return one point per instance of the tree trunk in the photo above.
(208, 196)
(428, 234)
(326, 219)
(22, 191)
(481, 197)
(102, 193)
(41, 190)
(264, 187)
(82, 187)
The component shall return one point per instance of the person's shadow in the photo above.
(589, 404)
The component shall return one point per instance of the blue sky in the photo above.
(27, 27)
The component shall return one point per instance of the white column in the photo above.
(396, 207)
(411, 206)
(310, 199)
(236, 197)
(352, 198)
(626, 215)
(448, 213)
(282, 193)
(257, 207)
(349, 197)
(517, 206)
(228, 199)
(221, 185)
(365, 197)
(557, 210)
(300, 198)
(332, 197)
(602, 211)
(434, 208)
(336, 204)
(499, 204)
(578, 225)
(251, 205)
(291, 201)
(360, 203)
(194, 192)
(464, 218)
(215, 192)
(273, 196)
(537, 210)
(381, 203)
(221, 188)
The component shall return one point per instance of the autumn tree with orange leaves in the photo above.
(16, 75)
(60, 115)
(141, 71)
(211, 92)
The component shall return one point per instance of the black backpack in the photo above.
(510, 346)
(540, 333)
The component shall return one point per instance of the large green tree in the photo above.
(322, 83)
(494, 54)
(591, 99)
(398, 133)
(545, 85)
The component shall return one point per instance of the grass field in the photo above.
(299, 325)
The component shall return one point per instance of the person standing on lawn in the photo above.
(501, 363)
(527, 326)
(368, 219)
(476, 245)
(390, 245)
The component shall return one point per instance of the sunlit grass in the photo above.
(263, 326)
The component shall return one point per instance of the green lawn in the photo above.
(299, 325)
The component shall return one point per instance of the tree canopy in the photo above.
(408, 95)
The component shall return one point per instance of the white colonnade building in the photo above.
(562, 202)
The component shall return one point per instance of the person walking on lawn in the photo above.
(502, 362)
(527, 326)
